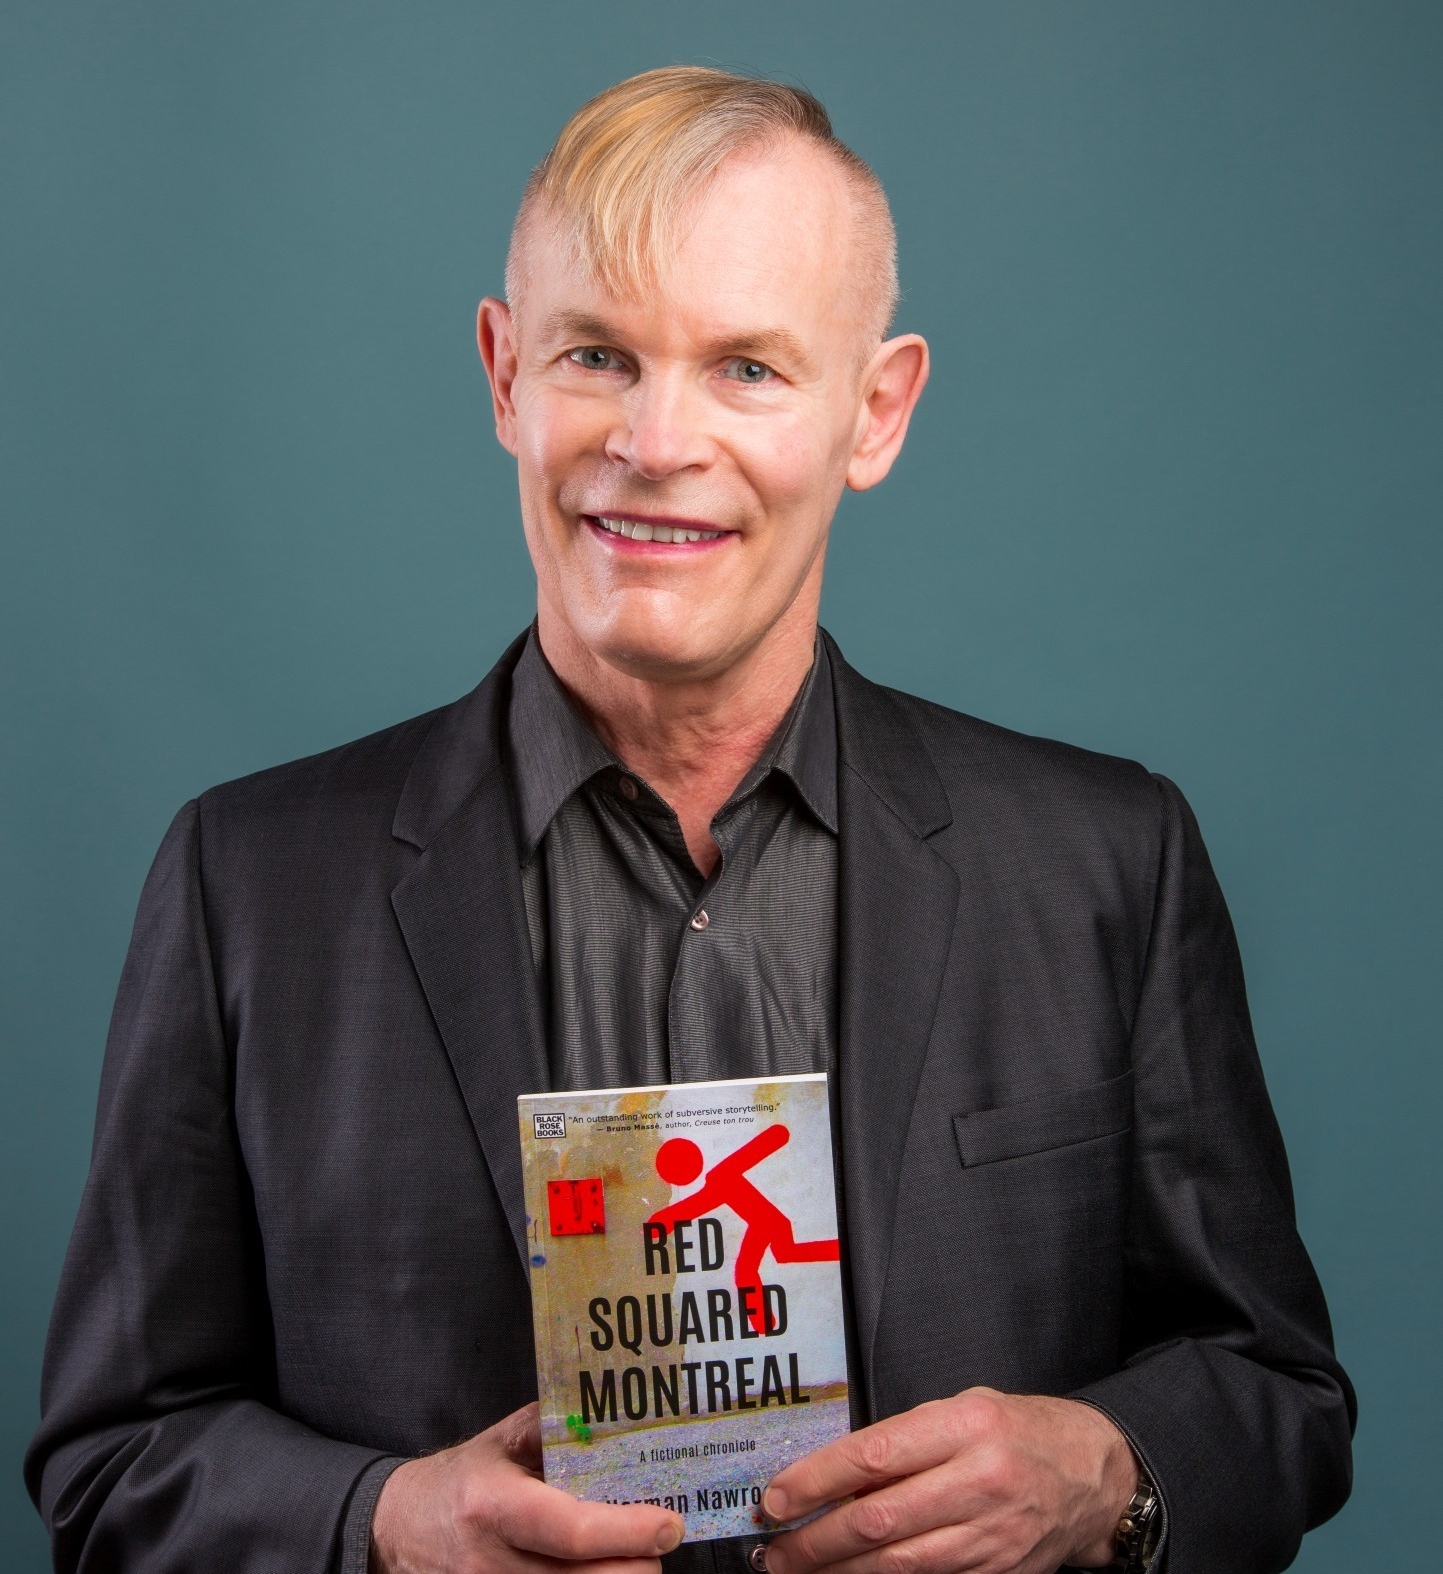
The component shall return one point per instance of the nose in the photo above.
(662, 430)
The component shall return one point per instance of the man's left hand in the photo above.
(985, 1482)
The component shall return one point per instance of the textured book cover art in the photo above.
(686, 1291)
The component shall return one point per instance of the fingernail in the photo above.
(774, 1502)
(670, 1539)
(776, 1560)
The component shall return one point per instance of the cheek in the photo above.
(789, 465)
(547, 448)
(797, 474)
(555, 436)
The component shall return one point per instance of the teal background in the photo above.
(1173, 493)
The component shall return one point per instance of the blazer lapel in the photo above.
(462, 913)
(898, 901)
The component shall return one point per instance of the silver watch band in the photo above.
(1139, 1528)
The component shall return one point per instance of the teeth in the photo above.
(639, 530)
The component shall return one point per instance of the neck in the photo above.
(691, 740)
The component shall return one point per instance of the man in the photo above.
(674, 836)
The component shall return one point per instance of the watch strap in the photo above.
(1139, 1528)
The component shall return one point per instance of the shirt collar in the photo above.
(554, 751)
(804, 746)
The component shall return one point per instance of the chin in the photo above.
(645, 644)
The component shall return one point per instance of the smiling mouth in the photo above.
(648, 530)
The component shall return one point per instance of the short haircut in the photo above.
(629, 163)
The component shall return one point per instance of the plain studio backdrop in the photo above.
(1173, 493)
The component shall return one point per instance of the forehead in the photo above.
(768, 242)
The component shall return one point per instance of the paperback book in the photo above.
(686, 1291)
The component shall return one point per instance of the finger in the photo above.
(594, 1566)
(892, 1514)
(950, 1549)
(899, 1446)
(534, 1517)
(531, 1563)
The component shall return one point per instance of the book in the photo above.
(686, 1291)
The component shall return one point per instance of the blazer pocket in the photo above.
(1056, 1120)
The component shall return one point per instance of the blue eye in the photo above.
(745, 371)
(595, 358)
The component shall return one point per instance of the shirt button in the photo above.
(629, 789)
(757, 1557)
(700, 920)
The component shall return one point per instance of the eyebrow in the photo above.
(765, 344)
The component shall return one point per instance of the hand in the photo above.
(482, 1508)
(985, 1482)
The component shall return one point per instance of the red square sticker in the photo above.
(577, 1207)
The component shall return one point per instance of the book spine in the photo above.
(536, 1275)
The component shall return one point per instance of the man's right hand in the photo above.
(482, 1508)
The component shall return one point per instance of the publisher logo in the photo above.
(549, 1125)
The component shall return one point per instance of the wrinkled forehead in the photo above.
(771, 236)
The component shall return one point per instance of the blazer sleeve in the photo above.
(160, 1445)
(1230, 1391)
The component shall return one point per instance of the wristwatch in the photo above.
(1140, 1527)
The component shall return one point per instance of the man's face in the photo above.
(681, 456)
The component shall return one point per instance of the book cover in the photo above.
(686, 1291)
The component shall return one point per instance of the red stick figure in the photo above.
(679, 1161)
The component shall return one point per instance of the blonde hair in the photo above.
(630, 163)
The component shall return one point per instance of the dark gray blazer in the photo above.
(300, 1248)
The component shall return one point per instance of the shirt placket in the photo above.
(695, 1011)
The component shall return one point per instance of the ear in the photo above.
(892, 385)
(496, 339)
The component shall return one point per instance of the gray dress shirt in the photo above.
(650, 971)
